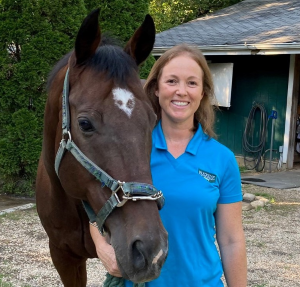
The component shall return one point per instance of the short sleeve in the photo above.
(230, 184)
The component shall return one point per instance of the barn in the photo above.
(253, 50)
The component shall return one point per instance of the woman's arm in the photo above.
(231, 240)
(105, 252)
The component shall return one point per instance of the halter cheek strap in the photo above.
(131, 190)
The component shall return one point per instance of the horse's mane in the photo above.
(109, 58)
(59, 65)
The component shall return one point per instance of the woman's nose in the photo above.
(181, 91)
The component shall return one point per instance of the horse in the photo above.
(95, 159)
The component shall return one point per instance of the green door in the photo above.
(256, 79)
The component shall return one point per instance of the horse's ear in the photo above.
(141, 43)
(88, 38)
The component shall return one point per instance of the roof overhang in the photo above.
(244, 49)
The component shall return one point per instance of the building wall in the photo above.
(260, 79)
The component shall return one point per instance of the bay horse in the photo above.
(95, 160)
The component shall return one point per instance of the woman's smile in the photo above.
(179, 104)
(180, 90)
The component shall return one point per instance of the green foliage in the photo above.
(3, 283)
(20, 147)
(243, 169)
(267, 196)
(33, 37)
(170, 13)
(145, 68)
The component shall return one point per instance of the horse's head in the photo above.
(110, 125)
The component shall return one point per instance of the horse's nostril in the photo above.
(138, 257)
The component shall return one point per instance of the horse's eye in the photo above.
(85, 125)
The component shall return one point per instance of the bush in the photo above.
(146, 67)
(33, 37)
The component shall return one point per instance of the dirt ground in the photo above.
(272, 238)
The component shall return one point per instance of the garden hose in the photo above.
(253, 152)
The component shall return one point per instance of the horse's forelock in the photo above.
(114, 62)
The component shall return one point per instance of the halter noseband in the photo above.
(131, 190)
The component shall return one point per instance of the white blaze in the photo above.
(156, 258)
(124, 100)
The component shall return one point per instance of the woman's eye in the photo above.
(85, 125)
(192, 83)
(171, 81)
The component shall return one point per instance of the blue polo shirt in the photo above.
(193, 184)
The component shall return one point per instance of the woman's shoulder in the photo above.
(218, 147)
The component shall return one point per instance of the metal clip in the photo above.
(155, 196)
(67, 133)
(114, 193)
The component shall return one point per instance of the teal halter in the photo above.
(131, 190)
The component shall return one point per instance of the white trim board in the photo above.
(288, 109)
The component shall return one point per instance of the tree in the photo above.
(170, 13)
(33, 37)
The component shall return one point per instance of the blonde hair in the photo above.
(205, 114)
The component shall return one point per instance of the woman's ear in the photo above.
(156, 93)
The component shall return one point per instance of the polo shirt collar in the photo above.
(159, 137)
(160, 141)
(194, 143)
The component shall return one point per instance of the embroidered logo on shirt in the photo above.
(208, 176)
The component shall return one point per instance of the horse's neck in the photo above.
(52, 123)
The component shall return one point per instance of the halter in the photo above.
(131, 190)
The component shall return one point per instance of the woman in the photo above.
(198, 176)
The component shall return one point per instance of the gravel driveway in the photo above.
(272, 236)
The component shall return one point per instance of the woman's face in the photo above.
(180, 90)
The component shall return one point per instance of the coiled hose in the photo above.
(253, 147)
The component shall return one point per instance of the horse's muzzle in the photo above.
(146, 261)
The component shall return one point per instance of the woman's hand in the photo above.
(105, 252)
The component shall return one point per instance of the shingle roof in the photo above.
(249, 22)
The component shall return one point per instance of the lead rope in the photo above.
(112, 281)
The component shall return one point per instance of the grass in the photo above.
(7, 284)
(243, 169)
(259, 208)
(284, 209)
(260, 244)
(4, 284)
(16, 215)
(270, 197)
(12, 215)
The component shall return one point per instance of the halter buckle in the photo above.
(114, 193)
(66, 135)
